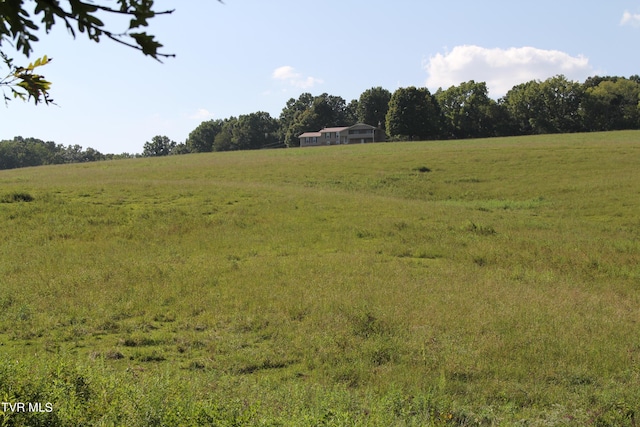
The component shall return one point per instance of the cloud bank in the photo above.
(201, 114)
(289, 75)
(629, 18)
(502, 69)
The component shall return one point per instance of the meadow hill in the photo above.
(485, 282)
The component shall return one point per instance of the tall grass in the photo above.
(485, 282)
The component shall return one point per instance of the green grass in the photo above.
(484, 282)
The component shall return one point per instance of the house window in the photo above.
(360, 131)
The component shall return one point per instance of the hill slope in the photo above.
(476, 282)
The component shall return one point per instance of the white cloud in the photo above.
(201, 114)
(284, 73)
(629, 18)
(502, 69)
(290, 75)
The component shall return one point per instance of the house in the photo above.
(359, 133)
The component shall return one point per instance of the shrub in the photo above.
(483, 230)
(16, 197)
(422, 169)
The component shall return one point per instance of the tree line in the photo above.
(555, 105)
(21, 152)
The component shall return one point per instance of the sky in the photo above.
(245, 56)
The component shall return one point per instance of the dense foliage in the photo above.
(556, 105)
(22, 152)
(159, 146)
(413, 114)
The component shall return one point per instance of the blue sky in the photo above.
(245, 56)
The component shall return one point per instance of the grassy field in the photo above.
(484, 282)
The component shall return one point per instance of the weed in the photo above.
(422, 169)
(266, 364)
(153, 356)
(480, 261)
(24, 313)
(113, 355)
(427, 254)
(16, 197)
(108, 325)
(164, 317)
(366, 324)
(479, 229)
(401, 225)
(364, 234)
(383, 352)
(6, 301)
(196, 365)
(138, 341)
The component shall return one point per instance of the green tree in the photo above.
(327, 110)
(467, 110)
(611, 103)
(561, 99)
(373, 106)
(159, 146)
(500, 119)
(76, 154)
(552, 106)
(181, 148)
(413, 114)
(92, 155)
(351, 112)
(201, 139)
(255, 130)
(19, 27)
(21, 152)
(290, 116)
(224, 139)
(523, 105)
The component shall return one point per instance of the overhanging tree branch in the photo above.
(18, 25)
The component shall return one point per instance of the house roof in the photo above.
(338, 129)
(310, 134)
(333, 129)
(363, 124)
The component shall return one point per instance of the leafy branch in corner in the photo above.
(32, 85)
(18, 27)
